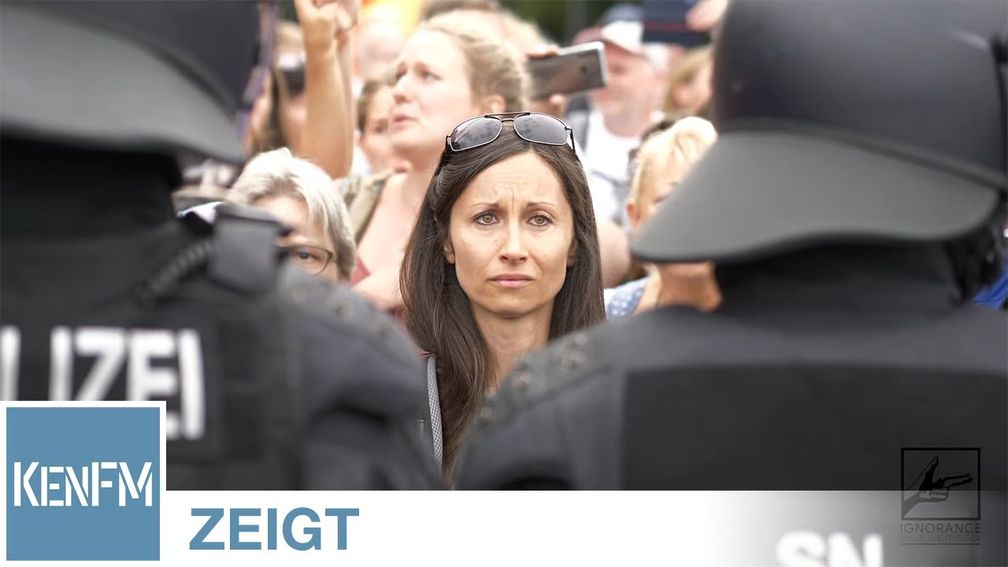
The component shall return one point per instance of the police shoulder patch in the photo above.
(548, 372)
(340, 305)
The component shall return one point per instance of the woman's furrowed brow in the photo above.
(484, 204)
(497, 204)
(542, 204)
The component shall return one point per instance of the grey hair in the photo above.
(279, 173)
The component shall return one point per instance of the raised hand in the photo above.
(322, 21)
(706, 14)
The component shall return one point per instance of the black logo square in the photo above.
(941, 483)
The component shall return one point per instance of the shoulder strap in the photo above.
(237, 294)
(364, 201)
(245, 258)
(434, 402)
(234, 243)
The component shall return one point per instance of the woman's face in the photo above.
(511, 236)
(374, 140)
(309, 245)
(432, 95)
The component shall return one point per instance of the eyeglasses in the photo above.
(311, 259)
(532, 127)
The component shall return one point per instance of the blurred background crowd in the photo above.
(373, 84)
(380, 133)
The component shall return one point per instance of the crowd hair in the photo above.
(278, 173)
(684, 142)
(491, 66)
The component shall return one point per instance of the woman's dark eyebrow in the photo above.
(541, 203)
(483, 204)
(488, 204)
(300, 239)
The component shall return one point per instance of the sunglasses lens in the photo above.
(475, 132)
(541, 129)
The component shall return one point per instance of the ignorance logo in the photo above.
(941, 496)
(84, 483)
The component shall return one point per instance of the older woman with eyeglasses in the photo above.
(300, 195)
(503, 258)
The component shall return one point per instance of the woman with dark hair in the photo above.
(503, 258)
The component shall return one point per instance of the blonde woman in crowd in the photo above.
(374, 107)
(376, 161)
(443, 76)
(663, 161)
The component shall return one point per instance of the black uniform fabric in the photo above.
(817, 370)
(295, 384)
(843, 122)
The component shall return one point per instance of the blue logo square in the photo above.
(84, 483)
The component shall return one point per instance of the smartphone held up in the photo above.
(571, 70)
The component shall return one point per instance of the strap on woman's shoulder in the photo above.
(361, 199)
(434, 404)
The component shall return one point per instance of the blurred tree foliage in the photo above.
(560, 19)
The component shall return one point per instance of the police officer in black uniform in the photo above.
(272, 378)
(853, 205)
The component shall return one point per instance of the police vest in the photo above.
(207, 333)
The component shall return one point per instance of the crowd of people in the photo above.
(466, 59)
(780, 193)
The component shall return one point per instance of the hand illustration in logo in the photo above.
(928, 488)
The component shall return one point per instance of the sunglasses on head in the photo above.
(532, 127)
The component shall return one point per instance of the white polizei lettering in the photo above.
(843, 553)
(142, 484)
(108, 345)
(76, 485)
(192, 403)
(24, 483)
(144, 382)
(60, 364)
(10, 351)
(54, 486)
(171, 425)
